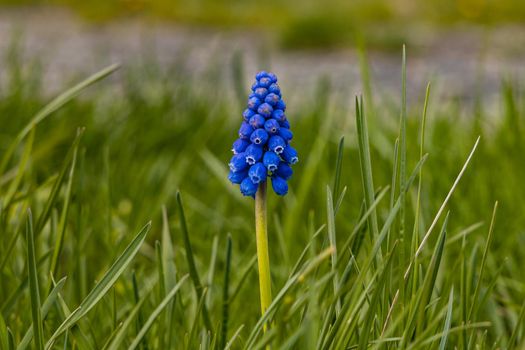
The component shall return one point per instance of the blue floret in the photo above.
(279, 185)
(248, 188)
(253, 154)
(257, 173)
(290, 155)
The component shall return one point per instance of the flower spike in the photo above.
(262, 149)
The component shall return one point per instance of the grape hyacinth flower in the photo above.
(263, 151)
(264, 138)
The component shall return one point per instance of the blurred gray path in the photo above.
(456, 60)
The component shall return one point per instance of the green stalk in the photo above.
(263, 258)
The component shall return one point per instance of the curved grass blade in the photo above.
(299, 277)
(103, 286)
(119, 337)
(46, 307)
(59, 241)
(51, 107)
(156, 313)
(21, 169)
(474, 304)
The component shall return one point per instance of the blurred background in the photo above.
(481, 40)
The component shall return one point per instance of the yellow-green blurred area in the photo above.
(305, 23)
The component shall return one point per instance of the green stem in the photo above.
(263, 258)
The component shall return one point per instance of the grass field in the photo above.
(389, 238)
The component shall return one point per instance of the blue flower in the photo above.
(257, 173)
(253, 102)
(247, 114)
(271, 160)
(265, 110)
(284, 170)
(272, 99)
(237, 177)
(259, 137)
(277, 144)
(290, 155)
(245, 131)
(279, 185)
(238, 162)
(240, 145)
(257, 121)
(279, 115)
(285, 133)
(272, 126)
(260, 93)
(274, 89)
(253, 154)
(248, 188)
(263, 148)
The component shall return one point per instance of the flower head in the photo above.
(263, 147)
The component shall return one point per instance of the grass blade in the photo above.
(103, 286)
(191, 261)
(36, 313)
(51, 107)
(448, 319)
(156, 313)
(366, 168)
(225, 293)
(46, 307)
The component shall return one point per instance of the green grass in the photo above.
(389, 238)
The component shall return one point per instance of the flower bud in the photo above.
(271, 126)
(274, 89)
(278, 115)
(260, 93)
(245, 131)
(248, 188)
(257, 121)
(271, 99)
(279, 185)
(265, 110)
(281, 105)
(239, 146)
(259, 137)
(285, 133)
(290, 155)
(253, 103)
(284, 171)
(247, 114)
(238, 162)
(237, 177)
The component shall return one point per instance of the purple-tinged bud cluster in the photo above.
(263, 149)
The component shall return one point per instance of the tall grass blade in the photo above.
(103, 286)
(34, 287)
(153, 316)
(46, 307)
(448, 320)
(226, 294)
(191, 261)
